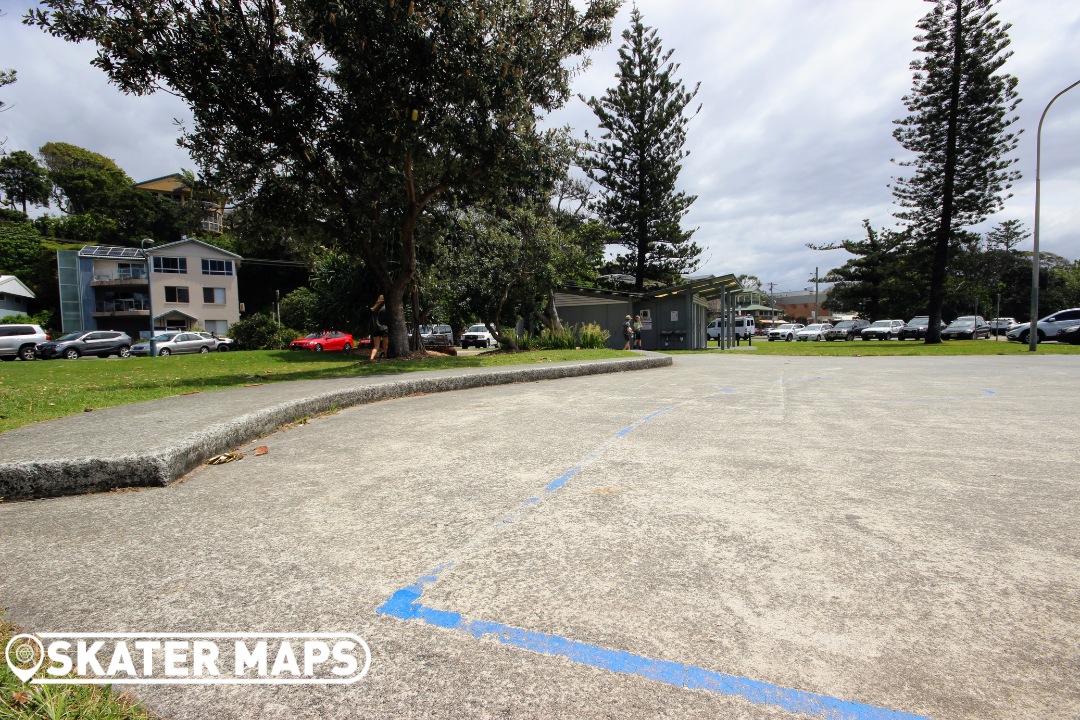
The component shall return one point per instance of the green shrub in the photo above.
(42, 318)
(262, 332)
(587, 337)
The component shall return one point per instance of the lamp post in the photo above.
(149, 290)
(1033, 330)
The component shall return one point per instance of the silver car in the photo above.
(175, 343)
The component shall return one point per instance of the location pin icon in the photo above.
(24, 656)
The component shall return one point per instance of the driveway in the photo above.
(735, 536)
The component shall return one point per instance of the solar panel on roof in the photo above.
(110, 251)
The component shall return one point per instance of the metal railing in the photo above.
(133, 274)
(122, 305)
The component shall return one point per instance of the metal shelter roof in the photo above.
(710, 288)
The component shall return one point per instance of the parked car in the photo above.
(437, 335)
(999, 326)
(916, 328)
(1048, 328)
(966, 327)
(1069, 335)
(744, 327)
(221, 344)
(175, 343)
(813, 332)
(883, 330)
(20, 341)
(99, 343)
(785, 332)
(477, 336)
(847, 329)
(326, 340)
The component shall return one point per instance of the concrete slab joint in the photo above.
(168, 462)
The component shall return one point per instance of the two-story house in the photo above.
(187, 284)
(176, 189)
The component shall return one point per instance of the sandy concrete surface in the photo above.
(897, 535)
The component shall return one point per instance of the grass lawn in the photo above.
(859, 348)
(19, 701)
(43, 390)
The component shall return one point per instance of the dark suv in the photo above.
(101, 343)
(847, 329)
(916, 328)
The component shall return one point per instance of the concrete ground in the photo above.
(789, 537)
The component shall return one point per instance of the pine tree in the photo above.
(637, 160)
(960, 109)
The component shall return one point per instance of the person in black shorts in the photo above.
(379, 331)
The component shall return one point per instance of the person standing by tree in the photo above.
(379, 329)
(637, 161)
(960, 110)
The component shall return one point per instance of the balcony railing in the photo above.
(122, 305)
(120, 276)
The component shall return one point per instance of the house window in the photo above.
(176, 265)
(130, 271)
(219, 327)
(217, 267)
(213, 296)
(176, 294)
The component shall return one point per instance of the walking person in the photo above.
(628, 332)
(380, 339)
(637, 332)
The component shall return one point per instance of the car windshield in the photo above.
(478, 328)
(882, 323)
(962, 323)
(69, 336)
(312, 336)
(843, 324)
(786, 326)
(164, 337)
(919, 321)
(812, 328)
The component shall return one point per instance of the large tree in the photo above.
(84, 181)
(960, 108)
(361, 112)
(638, 157)
(23, 181)
(878, 280)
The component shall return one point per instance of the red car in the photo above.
(327, 340)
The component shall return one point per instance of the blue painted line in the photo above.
(990, 393)
(561, 480)
(405, 605)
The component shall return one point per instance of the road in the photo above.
(737, 536)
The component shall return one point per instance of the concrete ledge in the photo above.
(167, 463)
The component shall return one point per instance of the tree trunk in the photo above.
(551, 314)
(944, 229)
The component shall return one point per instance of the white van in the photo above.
(744, 327)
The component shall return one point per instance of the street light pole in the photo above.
(1033, 334)
(149, 290)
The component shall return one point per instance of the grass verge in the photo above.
(20, 701)
(44, 390)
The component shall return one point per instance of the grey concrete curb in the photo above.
(74, 476)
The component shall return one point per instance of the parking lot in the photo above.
(737, 536)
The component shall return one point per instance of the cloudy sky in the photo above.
(793, 144)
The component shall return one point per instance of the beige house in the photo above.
(176, 189)
(182, 285)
